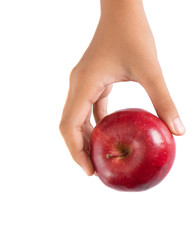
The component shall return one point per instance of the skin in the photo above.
(122, 49)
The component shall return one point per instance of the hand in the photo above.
(122, 49)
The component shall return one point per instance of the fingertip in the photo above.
(175, 126)
(178, 127)
(89, 171)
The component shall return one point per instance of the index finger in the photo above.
(74, 114)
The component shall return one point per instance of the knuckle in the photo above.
(81, 74)
(74, 72)
(78, 73)
(167, 106)
(78, 78)
(64, 127)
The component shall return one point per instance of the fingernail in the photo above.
(178, 125)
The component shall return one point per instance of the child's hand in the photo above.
(122, 49)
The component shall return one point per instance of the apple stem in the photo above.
(109, 155)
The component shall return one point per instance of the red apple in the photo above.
(132, 150)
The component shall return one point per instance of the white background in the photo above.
(43, 193)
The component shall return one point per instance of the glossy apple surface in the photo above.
(132, 150)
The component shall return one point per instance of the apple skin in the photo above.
(132, 150)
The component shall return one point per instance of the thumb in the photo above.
(164, 105)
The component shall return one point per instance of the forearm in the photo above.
(126, 20)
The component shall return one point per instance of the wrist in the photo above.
(119, 8)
